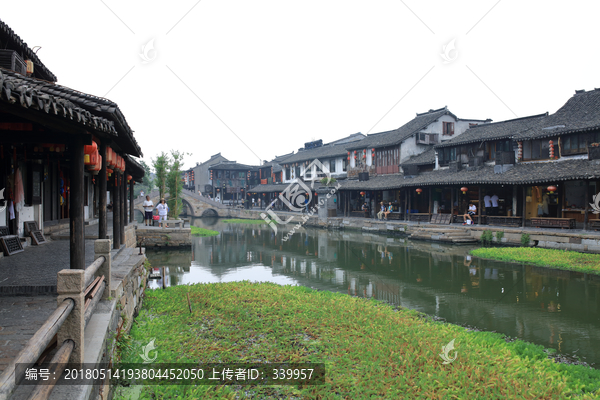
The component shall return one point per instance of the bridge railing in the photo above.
(79, 291)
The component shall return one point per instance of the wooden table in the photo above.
(504, 220)
(546, 222)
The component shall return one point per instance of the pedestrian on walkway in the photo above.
(163, 210)
(148, 207)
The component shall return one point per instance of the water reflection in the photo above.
(557, 309)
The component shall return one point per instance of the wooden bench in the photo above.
(360, 214)
(504, 220)
(419, 217)
(395, 215)
(594, 224)
(480, 220)
(443, 219)
(546, 222)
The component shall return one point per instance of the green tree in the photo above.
(175, 183)
(161, 169)
(148, 183)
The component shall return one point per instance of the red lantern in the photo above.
(89, 149)
(362, 193)
(373, 150)
(464, 189)
(552, 189)
(129, 179)
(419, 191)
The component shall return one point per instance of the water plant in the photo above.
(197, 231)
(370, 349)
(560, 259)
(486, 237)
(499, 236)
(525, 239)
(244, 221)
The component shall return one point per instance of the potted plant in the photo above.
(594, 151)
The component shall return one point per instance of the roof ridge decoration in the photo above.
(445, 108)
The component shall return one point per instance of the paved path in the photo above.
(34, 270)
(20, 318)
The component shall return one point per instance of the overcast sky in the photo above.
(256, 79)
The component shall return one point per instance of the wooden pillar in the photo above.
(125, 206)
(102, 231)
(123, 211)
(409, 205)
(430, 199)
(524, 207)
(406, 206)
(116, 211)
(131, 209)
(451, 205)
(76, 216)
(479, 205)
(587, 196)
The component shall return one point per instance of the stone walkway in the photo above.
(34, 270)
(20, 318)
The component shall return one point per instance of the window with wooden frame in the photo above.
(537, 149)
(575, 144)
(448, 128)
(331, 165)
(345, 165)
(446, 154)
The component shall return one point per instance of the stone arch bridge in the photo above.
(194, 205)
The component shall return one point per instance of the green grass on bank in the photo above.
(560, 259)
(370, 350)
(244, 221)
(197, 231)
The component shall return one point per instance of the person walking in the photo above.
(163, 210)
(148, 207)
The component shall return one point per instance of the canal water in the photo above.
(557, 309)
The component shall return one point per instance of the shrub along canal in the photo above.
(556, 309)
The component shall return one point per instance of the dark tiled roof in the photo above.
(269, 188)
(494, 131)
(233, 165)
(321, 153)
(134, 168)
(529, 173)
(94, 112)
(427, 157)
(10, 40)
(33, 94)
(580, 113)
(389, 138)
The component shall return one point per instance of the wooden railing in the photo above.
(79, 291)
